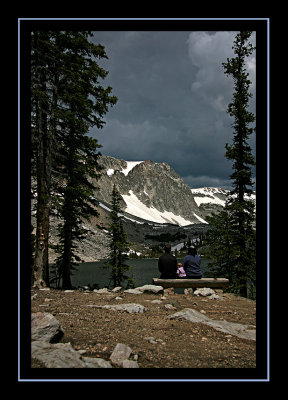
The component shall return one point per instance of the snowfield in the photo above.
(210, 196)
(137, 208)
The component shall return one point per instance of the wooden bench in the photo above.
(192, 283)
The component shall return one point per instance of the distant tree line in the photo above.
(166, 237)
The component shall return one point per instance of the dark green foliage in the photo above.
(222, 249)
(119, 246)
(156, 251)
(232, 236)
(67, 100)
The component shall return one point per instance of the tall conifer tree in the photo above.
(42, 57)
(76, 102)
(119, 245)
(239, 207)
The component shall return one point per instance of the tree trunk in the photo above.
(43, 167)
(41, 266)
(66, 281)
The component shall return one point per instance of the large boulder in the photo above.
(62, 355)
(59, 355)
(45, 327)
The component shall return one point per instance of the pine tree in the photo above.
(239, 204)
(41, 134)
(119, 245)
(239, 209)
(74, 101)
(86, 103)
(222, 250)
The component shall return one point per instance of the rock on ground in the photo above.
(146, 289)
(205, 292)
(150, 289)
(120, 353)
(130, 364)
(59, 355)
(129, 308)
(233, 328)
(45, 327)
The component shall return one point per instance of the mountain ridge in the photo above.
(156, 193)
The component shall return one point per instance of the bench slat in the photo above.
(192, 283)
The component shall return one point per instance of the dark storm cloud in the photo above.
(172, 100)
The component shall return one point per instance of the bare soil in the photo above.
(179, 343)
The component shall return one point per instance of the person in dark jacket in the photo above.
(192, 264)
(167, 264)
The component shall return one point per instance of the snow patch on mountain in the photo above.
(135, 207)
(208, 195)
(200, 219)
(110, 172)
(130, 166)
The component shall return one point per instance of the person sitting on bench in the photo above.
(192, 264)
(167, 264)
(181, 271)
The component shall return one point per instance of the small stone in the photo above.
(130, 364)
(204, 292)
(130, 307)
(133, 291)
(117, 289)
(188, 291)
(150, 289)
(103, 291)
(169, 307)
(120, 353)
(96, 363)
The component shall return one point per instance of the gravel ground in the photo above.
(170, 343)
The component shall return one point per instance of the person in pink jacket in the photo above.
(180, 271)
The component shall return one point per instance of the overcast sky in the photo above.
(172, 100)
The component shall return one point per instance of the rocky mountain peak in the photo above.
(150, 190)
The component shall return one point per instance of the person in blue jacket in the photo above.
(192, 264)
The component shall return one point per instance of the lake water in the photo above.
(142, 272)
